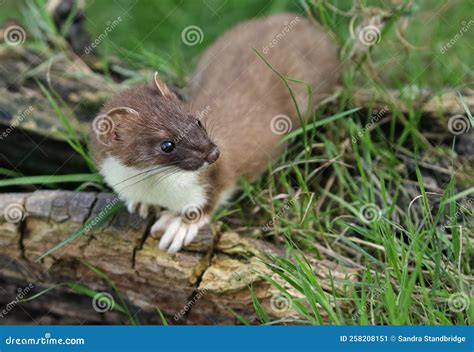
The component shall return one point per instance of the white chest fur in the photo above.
(174, 192)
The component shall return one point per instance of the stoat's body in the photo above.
(244, 109)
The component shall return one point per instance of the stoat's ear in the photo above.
(161, 87)
(105, 125)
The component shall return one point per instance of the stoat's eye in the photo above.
(199, 123)
(167, 146)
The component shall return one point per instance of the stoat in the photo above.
(187, 157)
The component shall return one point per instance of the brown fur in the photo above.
(135, 138)
(243, 95)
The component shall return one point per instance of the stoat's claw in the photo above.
(144, 210)
(177, 233)
(163, 222)
(170, 233)
(133, 207)
(178, 239)
(191, 234)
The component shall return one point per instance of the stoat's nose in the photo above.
(213, 155)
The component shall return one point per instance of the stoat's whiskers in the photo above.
(165, 176)
(209, 129)
(148, 173)
(168, 172)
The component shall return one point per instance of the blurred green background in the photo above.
(156, 26)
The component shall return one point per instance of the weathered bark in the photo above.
(438, 106)
(205, 281)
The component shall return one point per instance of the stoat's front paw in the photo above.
(179, 231)
(142, 209)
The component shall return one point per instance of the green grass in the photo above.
(413, 255)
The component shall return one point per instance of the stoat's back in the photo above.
(244, 95)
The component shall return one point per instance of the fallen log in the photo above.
(201, 285)
(436, 105)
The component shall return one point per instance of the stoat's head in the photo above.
(149, 126)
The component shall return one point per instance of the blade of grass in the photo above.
(90, 225)
(72, 136)
(162, 317)
(51, 179)
(318, 124)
